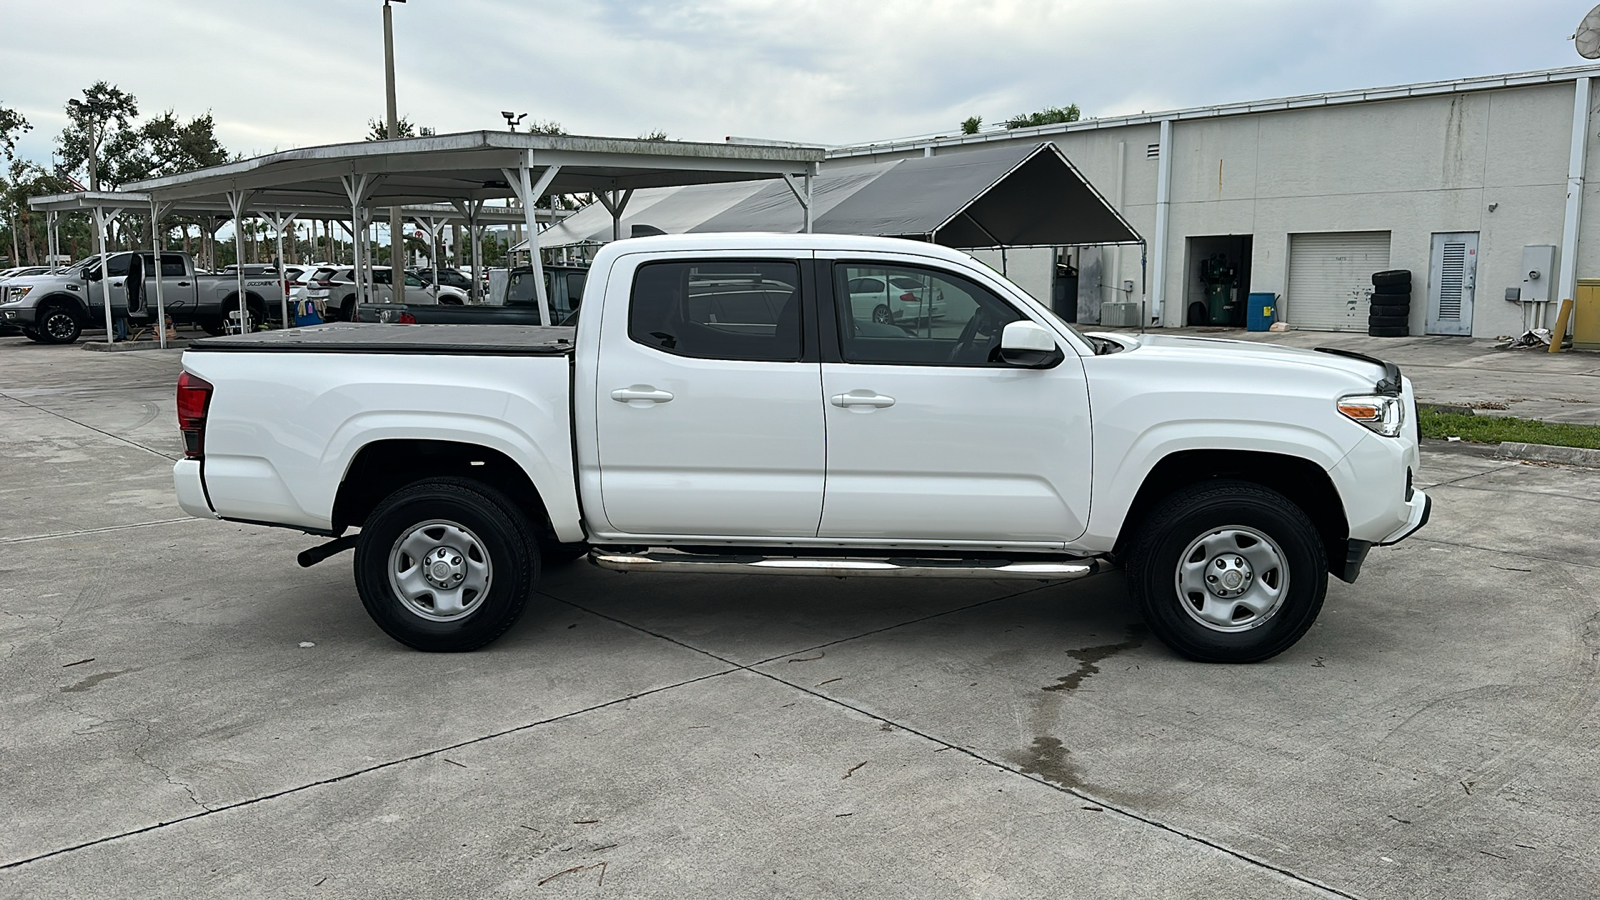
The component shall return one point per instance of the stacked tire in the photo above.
(1390, 315)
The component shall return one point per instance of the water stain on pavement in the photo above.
(1047, 758)
(1089, 659)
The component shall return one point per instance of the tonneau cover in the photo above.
(353, 337)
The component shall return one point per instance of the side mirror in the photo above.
(1029, 345)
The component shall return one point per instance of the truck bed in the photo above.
(353, 337)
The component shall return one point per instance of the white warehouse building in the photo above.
(1469, 184)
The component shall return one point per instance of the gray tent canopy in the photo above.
(1004, 196)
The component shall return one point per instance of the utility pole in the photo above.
(397, 235)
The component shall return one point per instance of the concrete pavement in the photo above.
(166, 732)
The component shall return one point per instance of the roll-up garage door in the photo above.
(1330, 278)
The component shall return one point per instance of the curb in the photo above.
(126, 346)
(1572, 456)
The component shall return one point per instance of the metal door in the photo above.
(1452, 278)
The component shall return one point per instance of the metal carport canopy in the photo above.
(472, 167)
(1004, 196)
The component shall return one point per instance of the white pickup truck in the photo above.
(721, 407)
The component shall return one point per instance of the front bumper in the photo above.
(18, 316)
(1418, 509)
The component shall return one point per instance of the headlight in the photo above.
(1382, 413)
(17, 292)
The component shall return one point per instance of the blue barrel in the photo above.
(1263, 310)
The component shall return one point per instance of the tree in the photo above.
(12, 126)
(540, 126)
(1050, 115)
(80, 142)
(378, 129)
(971, 124)
(655, 134)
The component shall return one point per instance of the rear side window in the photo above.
(722, 309)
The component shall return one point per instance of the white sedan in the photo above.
(902, 299)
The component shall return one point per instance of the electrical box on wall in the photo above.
(1538, 273)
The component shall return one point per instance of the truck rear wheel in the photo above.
(1228, 571)
(446, 565)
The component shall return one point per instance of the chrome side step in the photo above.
(886, 566)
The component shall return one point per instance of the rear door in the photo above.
(177, 286)
(930, 437)
(709, 401)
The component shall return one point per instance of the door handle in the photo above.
(861, 398)
(183, 284)
(641, 395)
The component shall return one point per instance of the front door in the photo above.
(709, 401)
(1452, 281)
(930, 437)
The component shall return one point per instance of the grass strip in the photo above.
(1494, 429)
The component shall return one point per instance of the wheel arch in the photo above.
(74, 304)
(384, 466)
(1305, 483)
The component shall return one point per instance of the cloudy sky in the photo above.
(291, 73)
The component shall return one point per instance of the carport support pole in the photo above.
(279, 223)
(236, 203)
(802, 193)
(105, 274)
(1158, 252)
(616, 206)
(1567, 287)
(53, 245)
(157, 243)
(529, 192)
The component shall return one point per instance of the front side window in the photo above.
(915, 316)
(722, 309)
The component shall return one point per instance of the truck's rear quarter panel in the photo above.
(283, 426)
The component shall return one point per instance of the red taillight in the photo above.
(407, 319)
(194, 398)
(908, 297)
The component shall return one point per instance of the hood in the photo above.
(1201, 349)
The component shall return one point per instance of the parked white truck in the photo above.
(55, 308)
(720, 407)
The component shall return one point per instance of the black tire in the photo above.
(882, 315)
(1392, 290)
(1392, 277)
(1403, 310)
(58, 324)
(32, 334)
(1217, 522)
(210, 325)
(1388, 331)
(491, 542)
(347, 309)
(258, 311)
(1387, 321)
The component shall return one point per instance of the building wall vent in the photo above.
(1152, 151)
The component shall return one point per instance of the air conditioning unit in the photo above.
(1119, 315)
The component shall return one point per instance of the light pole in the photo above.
(513, 119)
(397, 236)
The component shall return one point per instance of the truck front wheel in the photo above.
(58, 325)
(446, 565)
(1228, 571)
